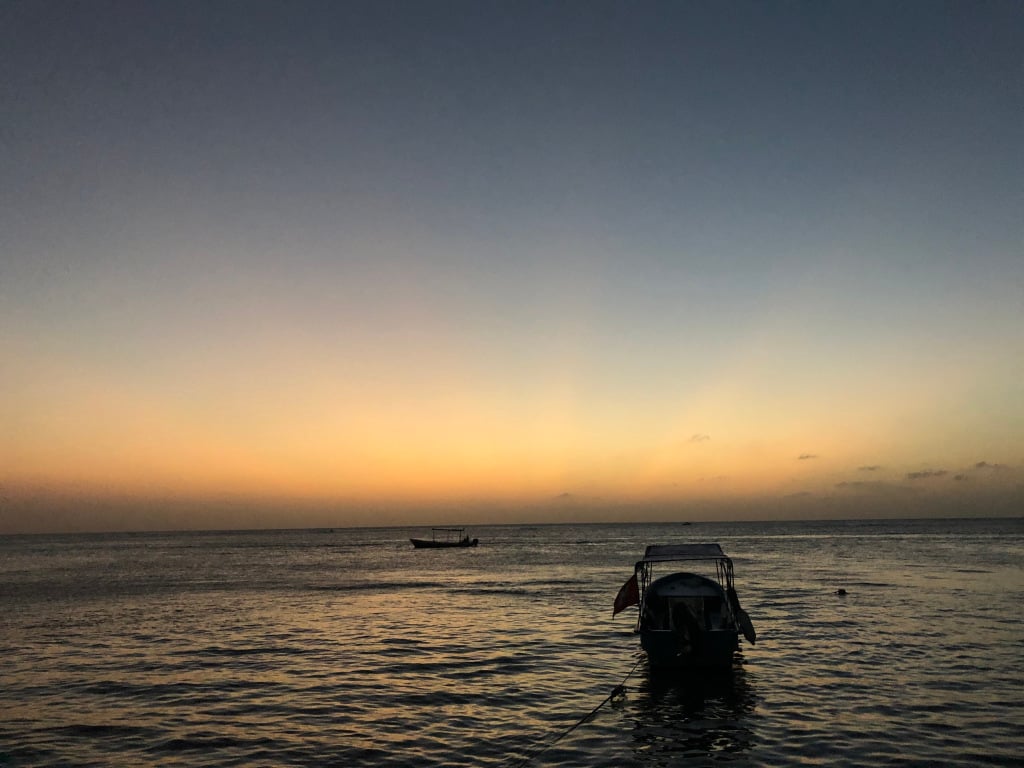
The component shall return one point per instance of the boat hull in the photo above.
(431, 544)
(665, 649)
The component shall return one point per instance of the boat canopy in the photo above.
(660, 553)
(674, 553)
(685, 585)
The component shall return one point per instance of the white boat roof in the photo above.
(657, 553)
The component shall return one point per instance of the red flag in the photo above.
(628, 595)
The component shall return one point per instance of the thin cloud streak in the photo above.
(926, 474)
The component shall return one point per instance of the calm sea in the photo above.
(349, 648)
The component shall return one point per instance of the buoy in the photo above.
(841, 592)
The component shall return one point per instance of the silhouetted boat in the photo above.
(442, 538)
(686, 619)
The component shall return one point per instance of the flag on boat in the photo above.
(628, 595)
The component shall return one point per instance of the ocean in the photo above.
(347, 647)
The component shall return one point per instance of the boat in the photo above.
(686, 619)
(443, 538)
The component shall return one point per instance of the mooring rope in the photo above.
(618, 690)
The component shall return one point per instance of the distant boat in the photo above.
(444, 538)
(686, 619)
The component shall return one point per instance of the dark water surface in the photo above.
(349, 648)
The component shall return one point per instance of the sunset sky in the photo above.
(301, 263)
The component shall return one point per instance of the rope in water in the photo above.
(618, 690)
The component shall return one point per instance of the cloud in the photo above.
(924, 474)
(806, 456)
(990, 472)
(994, 467)
(698, 437)
(869, 468)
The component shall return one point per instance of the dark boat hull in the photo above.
(665, 648)
(431, 544)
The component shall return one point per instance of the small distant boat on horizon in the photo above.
(686, 620)
(445, 538)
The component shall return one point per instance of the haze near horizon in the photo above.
(301, 264)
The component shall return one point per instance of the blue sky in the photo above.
(410, 253)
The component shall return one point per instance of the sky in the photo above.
(284, 264)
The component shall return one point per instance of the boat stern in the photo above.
(665, 648)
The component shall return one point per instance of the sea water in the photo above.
(348, 647)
